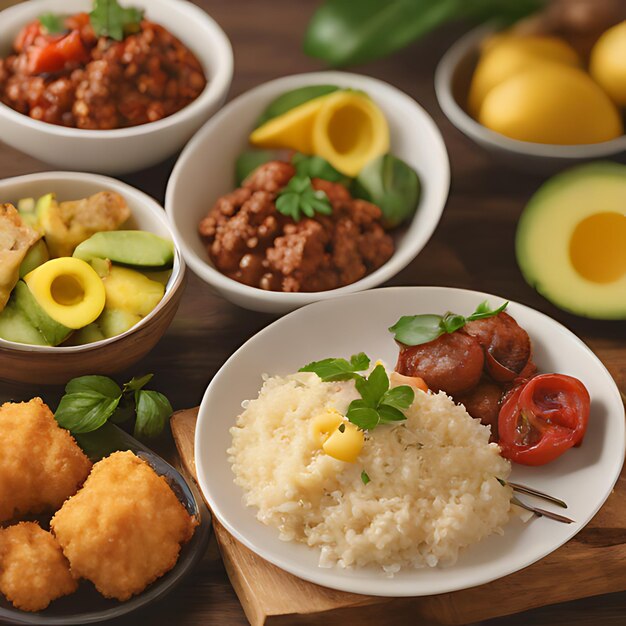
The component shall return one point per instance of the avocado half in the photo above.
(571, 241)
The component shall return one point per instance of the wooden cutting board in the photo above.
(592, 563)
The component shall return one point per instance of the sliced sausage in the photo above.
(452, 363)
(483, 403)
(505, 340)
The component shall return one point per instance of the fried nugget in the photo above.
(124, 528)
(40, 463)
(33, 570)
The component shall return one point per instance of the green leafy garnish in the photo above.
(91, 401)
(153, 409)
(378, 403)
(52, 23)
(330, 370)
(109, 19)
(414, 330)
(365, 478)
(317, 167)
(299, 197)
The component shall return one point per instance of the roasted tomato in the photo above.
(543, 418)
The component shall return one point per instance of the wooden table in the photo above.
(472, 248)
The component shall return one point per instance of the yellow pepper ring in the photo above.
(349, 131)
(68, 290)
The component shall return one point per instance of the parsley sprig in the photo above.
(299, 197)
(90, 401)
(378, 403)
(52, 23)
(109, 19)
(414, 330)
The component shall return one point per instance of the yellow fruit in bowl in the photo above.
(506, 55)
(131, 291)
(607, 64)
(68, 290)
(551, 104)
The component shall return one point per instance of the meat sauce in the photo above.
(79, 80)
(476, 365)
(249, 241)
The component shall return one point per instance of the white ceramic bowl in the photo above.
(452, 81)
(53, 365)
(205, 171)
(584, 477)
(127, 149)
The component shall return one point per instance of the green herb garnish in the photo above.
(52, 23)
(299, 197)
(365, 478)
(317, 167)
(109, 19)
(414, 330)
(378, 404)
(90, 401)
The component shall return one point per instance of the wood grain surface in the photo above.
(472, 248)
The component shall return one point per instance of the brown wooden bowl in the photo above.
(20, 363)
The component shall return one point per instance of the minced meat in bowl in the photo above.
(249, 240)
(93, 72)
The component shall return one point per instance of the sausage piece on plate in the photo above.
(505, 340)
(483, 403)
(452, 363)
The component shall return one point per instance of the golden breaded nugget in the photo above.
(40, 463)
(124, 528)
(33, 570)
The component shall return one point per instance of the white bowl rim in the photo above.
(303, 573)
(464, 122)
(217, 84)
(389, 269)
(156, 210)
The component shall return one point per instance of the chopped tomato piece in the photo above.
(543, 418)
(27, 36)
(54, 56)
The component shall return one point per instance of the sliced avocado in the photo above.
(53, 333)
(35, 257)
(89, 334)
(129, 247)
(114, 322)
(571, 241)
(162, 276)
(15, 326)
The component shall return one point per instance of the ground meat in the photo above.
(452, 363)
(146, 77)
(249, 240)
(504, 339)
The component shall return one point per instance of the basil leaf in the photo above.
(415, 330)
(390, 184)
(84, 411)
(109, 19)
(102, 385)
(399, 397)
(291, 99)
(452, 322)
(53, 24)
(389, 414)
(361, 415)
(483, 312)
(370, 398)
(365, 478)
(248, 161)
(153, 411)
(338, 369)
(135, 384)
(317, 167)
(378, 382)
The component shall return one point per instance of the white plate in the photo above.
(584, 477)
